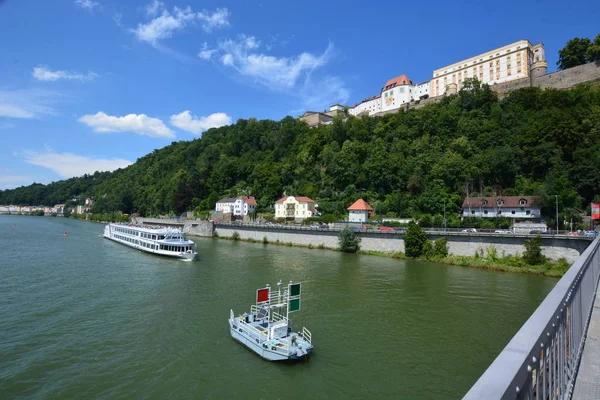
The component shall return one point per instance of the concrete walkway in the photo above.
(587, 383)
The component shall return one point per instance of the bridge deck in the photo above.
(587, 383)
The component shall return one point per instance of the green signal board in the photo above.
(294, 289)
(294, 305)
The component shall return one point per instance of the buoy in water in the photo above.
(65, 234)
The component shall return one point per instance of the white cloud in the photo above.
(138, 123)
(298, 76)
(153, 8)
(217, 19)
(87, 4)
(190, 123)
(206, 53)
(275, 72)
(227, 60)
(69, 165)
(167, 23)
(41, 73)
(117, 18)
(27, 103)
(164, 26)
(11, 111)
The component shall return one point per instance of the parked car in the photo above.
(535, 232)
(590, 233)
(469, 230)
(361, 228)
(572, 234)
(400, 230)
(503, 232)
(386, 228)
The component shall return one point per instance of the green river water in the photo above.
(82, 317)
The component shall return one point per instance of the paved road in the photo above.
(587, 384)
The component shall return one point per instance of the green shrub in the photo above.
(414, 240)
(215, 234)
(265, 240)
(235, 235)
(349, 242)
(492, 253)
(440, 248)
(562, 265)
(427, 250)
(533, 251)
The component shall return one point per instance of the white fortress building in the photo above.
(514, 61)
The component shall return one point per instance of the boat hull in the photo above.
(261, 347)
(182, 256)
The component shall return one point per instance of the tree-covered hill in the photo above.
(532, 142)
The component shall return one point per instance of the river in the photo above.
(83, 317)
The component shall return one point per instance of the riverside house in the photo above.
(295, 207)
(359, 211)
(517, 207)
(239, 206)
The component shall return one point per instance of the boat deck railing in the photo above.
(306, 335)
(252, 331)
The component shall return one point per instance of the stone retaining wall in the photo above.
(457, 245)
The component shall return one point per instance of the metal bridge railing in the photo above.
(541, 360)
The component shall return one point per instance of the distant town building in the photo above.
(504, 64)
(59, 208)
(242, 205)
(315, 118)
(517, 207)
(297, 207)
(359, 211)
(511, 62)
(369, 106)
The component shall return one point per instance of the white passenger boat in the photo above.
(266, 329)
(159, 240)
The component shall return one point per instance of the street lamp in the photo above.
(556, 196)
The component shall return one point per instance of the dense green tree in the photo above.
(415, 240)
(593, 51)
(411, 164)
(440, 248)
(574, 53)
(349, 242)
(533, 251)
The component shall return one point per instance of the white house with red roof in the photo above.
(296, 207)
(359, 211)
(394, 94)
(242, 205)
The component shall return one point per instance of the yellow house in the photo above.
(297, 207)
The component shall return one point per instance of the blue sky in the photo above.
(91, 85)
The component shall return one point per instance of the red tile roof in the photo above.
(399, 80)
(300, 199)
(507, 201)
(251, 201)
(360, 205)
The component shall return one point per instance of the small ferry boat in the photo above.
(154, 239)
(266, 329)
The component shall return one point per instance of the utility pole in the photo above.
(444, 216)
(556, 196)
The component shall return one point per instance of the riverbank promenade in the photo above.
(587, 384)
